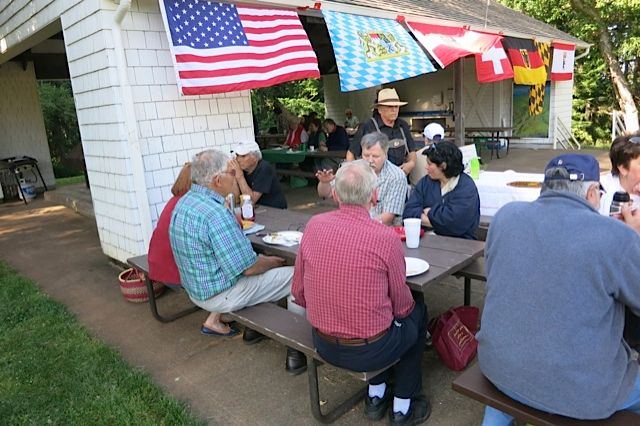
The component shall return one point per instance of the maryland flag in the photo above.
(536, 92)
(528, 67)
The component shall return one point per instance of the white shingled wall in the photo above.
(170, 128)
(360, 101)
(22, 129)
(561, 104)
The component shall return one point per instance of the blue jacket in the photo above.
(457, 214)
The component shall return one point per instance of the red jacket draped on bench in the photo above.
(162, 265)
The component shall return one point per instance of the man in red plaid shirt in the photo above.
(350, 275)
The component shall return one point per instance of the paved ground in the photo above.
(224, 381)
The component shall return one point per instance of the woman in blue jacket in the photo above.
(445, 199)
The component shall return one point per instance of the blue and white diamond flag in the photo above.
(373, 51)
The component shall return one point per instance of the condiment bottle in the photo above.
(246, 206)
(620, 198)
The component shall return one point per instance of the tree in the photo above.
(607, 78)
(299, 97)
(60, 122)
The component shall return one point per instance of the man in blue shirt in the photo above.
(218, 267)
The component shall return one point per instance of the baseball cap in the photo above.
(245, 147)
(434, 131)
(579, 167)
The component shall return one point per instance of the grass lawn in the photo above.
(69, 180)
(53, 372)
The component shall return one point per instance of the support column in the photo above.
(458, 78)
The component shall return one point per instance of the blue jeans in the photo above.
(493, 417)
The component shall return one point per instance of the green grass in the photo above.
(69, 180)
(53, 372)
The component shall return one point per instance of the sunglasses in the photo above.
(634, 139)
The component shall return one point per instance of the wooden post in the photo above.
(458, 76)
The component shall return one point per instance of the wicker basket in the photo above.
(133, 287)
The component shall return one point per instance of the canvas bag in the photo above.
(453, 336)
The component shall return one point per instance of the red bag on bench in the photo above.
(453, 335)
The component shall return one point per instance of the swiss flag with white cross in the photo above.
(493, 65)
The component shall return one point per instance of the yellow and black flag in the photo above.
(528, 67)
(536, 92)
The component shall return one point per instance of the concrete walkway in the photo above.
(222, 380)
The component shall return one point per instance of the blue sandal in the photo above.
(209, 332)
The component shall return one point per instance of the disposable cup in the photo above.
(412, 232)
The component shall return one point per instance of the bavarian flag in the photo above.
(528, 67)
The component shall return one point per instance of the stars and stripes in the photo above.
(220, 47)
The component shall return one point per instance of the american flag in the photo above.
(221, 47)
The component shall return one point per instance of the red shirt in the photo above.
(350, 274)
(294, 137)
(162, 265)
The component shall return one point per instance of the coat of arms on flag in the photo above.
(221, 47)
(373, 51)
(562, 64)
(528, 67)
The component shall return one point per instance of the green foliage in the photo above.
(298, 97)
(594, 94)
(53, 372)
(60, 121)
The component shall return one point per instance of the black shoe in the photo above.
(375, 408)
(419, 412)
(250, 336)
(296, 362)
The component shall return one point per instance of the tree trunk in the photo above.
(620, 84)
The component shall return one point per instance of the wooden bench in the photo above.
(295, 172)
(141, 263)
(473, 271)
(294, 331)
(474, 385)
(492, 144)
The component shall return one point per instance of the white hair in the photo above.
(355, 182)
(207, 165)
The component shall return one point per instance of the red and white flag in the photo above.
(447, 44)
(221, 47)
(493, 65)
(562, 63)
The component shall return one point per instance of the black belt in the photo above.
(350, 342)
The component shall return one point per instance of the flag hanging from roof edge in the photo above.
(221, 47)
(526, 61)
(493, 65)
(536, 92)
(447, 44)
(373, 51)
(563, 61)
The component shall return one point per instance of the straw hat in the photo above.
(389, 97)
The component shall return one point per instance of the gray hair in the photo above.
(372, 139)
(355, 182)
(560, 182)
(207, 165)
(256, 154)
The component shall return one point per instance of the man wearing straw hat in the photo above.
(385, 119)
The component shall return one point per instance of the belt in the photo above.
(350, 342)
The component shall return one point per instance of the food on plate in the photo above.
(246, 224)
(525, 184)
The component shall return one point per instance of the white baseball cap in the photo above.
(433, 130)
(245, 147)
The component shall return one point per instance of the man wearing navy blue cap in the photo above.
(559, 276)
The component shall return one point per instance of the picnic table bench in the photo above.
(473, 384)
(294, 331)
(141, 263)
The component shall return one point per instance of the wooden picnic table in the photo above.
(490, 137)
(286, 156)
(446, 255)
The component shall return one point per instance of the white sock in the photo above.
(401, 405)
(377, 390)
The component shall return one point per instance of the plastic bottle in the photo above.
(474, 166)
(620, 198)
(246, 207)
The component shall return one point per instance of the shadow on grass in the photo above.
(53, 372)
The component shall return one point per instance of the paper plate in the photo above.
(285, 238)
(415, 266)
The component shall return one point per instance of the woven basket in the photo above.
(133, 287)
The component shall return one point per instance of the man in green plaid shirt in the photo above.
(218, 267)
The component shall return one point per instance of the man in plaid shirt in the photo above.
(391, 180)
(350, 276)
(218, 267)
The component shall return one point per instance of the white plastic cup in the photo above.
(412, 232)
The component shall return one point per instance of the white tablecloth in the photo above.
(495, 193)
